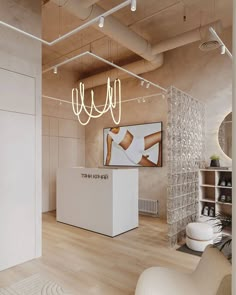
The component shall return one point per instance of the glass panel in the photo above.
(185, 136)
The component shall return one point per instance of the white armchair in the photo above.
(211, 277)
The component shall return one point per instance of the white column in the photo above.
(20, 135)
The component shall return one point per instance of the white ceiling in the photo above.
(154, 21)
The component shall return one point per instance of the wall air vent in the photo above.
(209, 45)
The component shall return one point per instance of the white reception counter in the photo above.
(100, 200)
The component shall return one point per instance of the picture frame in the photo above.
(138, 145)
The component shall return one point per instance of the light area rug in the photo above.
(34, 285)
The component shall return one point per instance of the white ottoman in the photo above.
(199, 235)
(215, 223)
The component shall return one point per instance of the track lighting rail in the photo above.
(224, 49)
(148, 83)
(97, 19)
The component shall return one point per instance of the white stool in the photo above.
(199, 235)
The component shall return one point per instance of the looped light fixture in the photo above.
(110, 103)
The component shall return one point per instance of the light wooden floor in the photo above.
(89, 263)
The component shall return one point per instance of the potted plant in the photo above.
(215, 161)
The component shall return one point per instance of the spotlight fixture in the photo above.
(133, 5)
(222, 49)
(55, 70)
(163, 95)
(144, 99)
(148, 85)
(142, 82)
(101, 22)
(139, 100)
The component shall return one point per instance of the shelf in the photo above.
(227, 187)
(224, 203)
(211, 190)
(207, 185)
(218, 186)
(220, 170)
(207, 201)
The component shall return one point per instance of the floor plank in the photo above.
(89, 263)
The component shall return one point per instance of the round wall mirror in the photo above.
(225, 135)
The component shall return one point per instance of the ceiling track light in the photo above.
(106, 62)
(133, 5)
(101, 22)
(74, 31)
(55, 70)
(142, 82)
(222, 49)
(144, 99)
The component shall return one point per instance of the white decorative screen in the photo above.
(185, 142)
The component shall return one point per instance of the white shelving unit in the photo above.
(210, 190)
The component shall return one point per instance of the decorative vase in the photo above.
(215, 163)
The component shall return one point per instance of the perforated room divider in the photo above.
(185, 143)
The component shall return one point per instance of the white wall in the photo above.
(63, 136)
(63, 146)
(20, 135)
